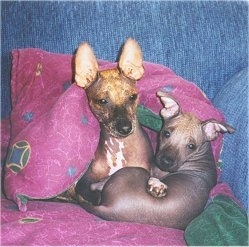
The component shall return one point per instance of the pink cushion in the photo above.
(53, 132)
(65, 224)
(53, 139)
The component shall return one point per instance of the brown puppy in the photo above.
(113, 98)
(185, 152)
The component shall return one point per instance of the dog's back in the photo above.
(125, 198)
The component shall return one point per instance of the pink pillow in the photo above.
(53, 132)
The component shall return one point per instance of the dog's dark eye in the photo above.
(133, 97)
(191, 146)
(102, 101)
(166, 134)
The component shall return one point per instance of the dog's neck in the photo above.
(203, 155)
(113, 149)
(116, 152)
(202, 162)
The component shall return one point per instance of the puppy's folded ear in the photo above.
(171, 107)
(131, 60)
(212, 128)
(86, 66)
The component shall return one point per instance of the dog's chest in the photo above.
(114, 152)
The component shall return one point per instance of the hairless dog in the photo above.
(113, 98)
(185, 153)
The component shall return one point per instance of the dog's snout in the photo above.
(123, 126)
(164, 162)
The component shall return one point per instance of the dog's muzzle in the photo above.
(165, 163)
(123, 127)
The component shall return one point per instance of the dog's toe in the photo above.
(156, 188)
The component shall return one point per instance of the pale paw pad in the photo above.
(156, 188)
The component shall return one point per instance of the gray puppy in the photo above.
(185, 153)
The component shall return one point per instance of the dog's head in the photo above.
(183, 135)
(112, 94)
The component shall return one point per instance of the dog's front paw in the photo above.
(156, 188)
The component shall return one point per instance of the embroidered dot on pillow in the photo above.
(54, 134)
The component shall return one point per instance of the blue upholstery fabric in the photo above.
(232, 100)
(202, 41)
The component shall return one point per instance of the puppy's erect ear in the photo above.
(171, 107)
(86, 66)
(131, 60)
(212, 128)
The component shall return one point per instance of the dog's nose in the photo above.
(123, 126)
(165, 162)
